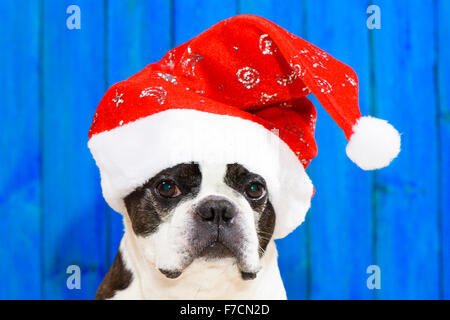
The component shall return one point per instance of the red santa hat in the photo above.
(235, 93)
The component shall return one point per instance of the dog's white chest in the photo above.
(203, 280)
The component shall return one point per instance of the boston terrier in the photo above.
(197, 231)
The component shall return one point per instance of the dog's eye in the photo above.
(168, 189)
(255, 190)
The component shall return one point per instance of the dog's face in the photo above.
(202, 211)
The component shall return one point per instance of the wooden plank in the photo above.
(287, 14)
(407, 240)
(19, 151)
(193, 17)
(292, 250)
(340, 218)
(137, 36)
(73, 230)
(443, 77)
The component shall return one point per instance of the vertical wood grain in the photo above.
(193, 17)
(19, 151)
(407, 240)
(340, 217)
(51, 207)
(442, 13)
(73, 230)
(293, 256)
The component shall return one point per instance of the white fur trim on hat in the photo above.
(129, 155)
(373, 144)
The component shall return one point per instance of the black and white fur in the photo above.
(171, 251)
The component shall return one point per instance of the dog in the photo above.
(197, 231)
(227, 124)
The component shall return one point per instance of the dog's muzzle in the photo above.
(217, 233)
(221, 233)
(215, 226)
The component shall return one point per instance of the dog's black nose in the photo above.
(216, 210)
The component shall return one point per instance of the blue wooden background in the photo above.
(52, 214)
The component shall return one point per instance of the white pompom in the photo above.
(373, 144)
